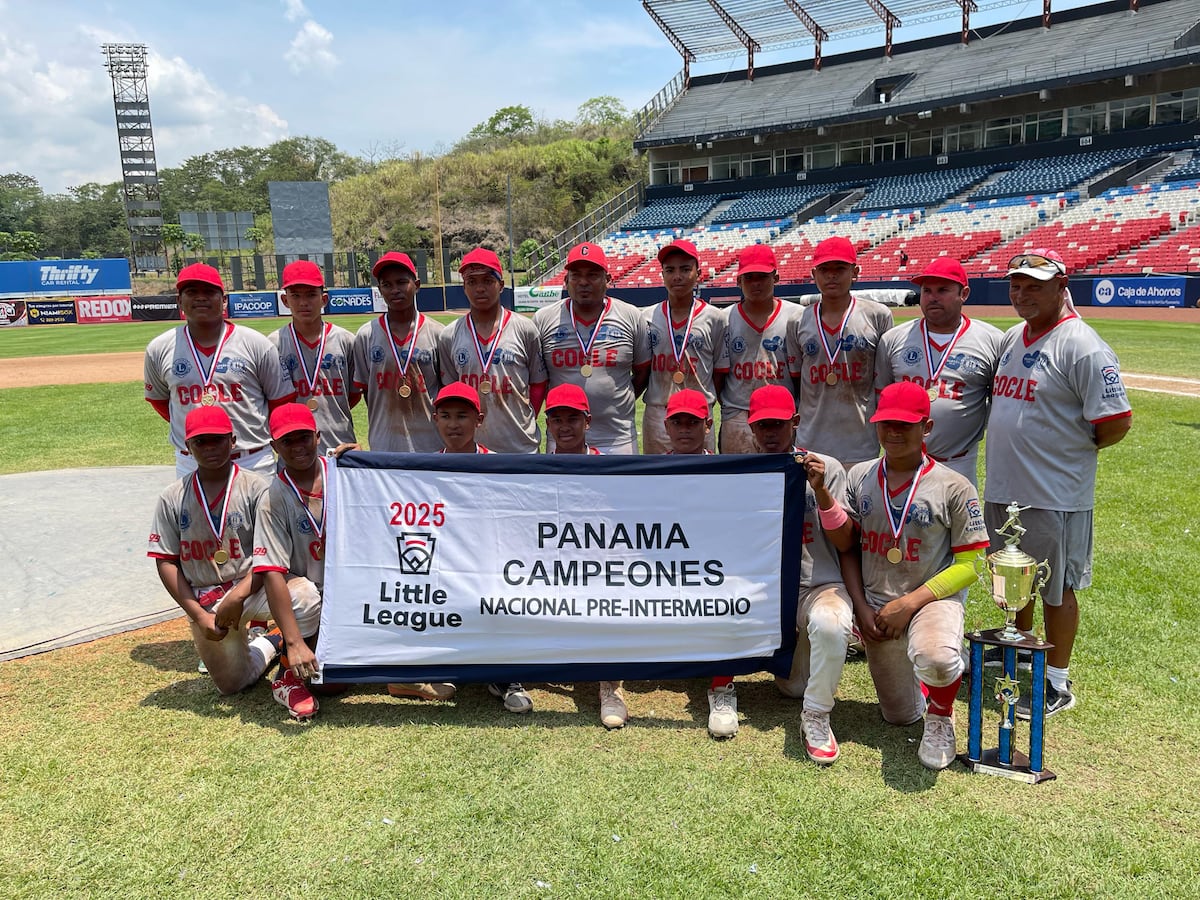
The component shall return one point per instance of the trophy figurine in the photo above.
(1017, 578)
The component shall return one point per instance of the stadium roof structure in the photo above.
(710, 29)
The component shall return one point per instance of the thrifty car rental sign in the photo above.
(560, 568)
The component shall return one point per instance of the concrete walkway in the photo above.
(73, 551)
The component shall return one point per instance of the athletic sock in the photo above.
(263, 649)
(941, 699)
(1057, 677)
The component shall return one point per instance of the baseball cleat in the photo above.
(291, 692)
(819, 742)
(1056, 701)
(722, 712)
(613, 712)
(937, 747)
(516, 699)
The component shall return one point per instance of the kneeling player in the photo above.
(922, 533)
(201, 542)
(568, 416)
(824, 612)
(457, 413)
(289, 548)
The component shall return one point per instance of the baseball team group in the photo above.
(886, 418)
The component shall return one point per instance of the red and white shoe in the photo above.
(819, 742)
(294, 694)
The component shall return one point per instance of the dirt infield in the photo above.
(97, 368)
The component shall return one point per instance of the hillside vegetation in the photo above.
(385, 200)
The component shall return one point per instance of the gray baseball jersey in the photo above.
(397, 423)
(246, 377)
(619, 343)
(945, 517)
(284, 538)
(963, 378)
(182, 531)
(509, 424)
(836, 417)
(697, 361)
(333, 379)
(1046, 397)
(819, 562)
(752, 357)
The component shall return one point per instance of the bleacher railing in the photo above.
(645, 117)
(552, 254)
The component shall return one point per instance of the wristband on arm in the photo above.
(833, 518)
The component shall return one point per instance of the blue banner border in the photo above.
(778, 663)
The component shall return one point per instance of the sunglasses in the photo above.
(1035, 261)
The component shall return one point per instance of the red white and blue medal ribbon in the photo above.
(310, 380)
(485, 364)
(896, 525)
(687, 333)
(586, 346)
(217, 526)
(318, 527)
(208, 395)
(935, 373)
(832, 377)
(411, 343)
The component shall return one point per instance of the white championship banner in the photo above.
(559, 568)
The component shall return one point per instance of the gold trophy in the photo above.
(1017, 578)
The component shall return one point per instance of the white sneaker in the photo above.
(937, 743)
(515, 698)
(819, 742)
(613, 712)
(722, 711)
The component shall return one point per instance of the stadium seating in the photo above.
(675, 212)
(920, 189)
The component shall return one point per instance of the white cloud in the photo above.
(310, 49)
(295, 10)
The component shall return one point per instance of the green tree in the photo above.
(507, 122)
(173, 235)
(256, 236)
(194, 243)
(26, 243)
(603, 112)
(21, 203)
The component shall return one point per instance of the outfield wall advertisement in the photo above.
(553, 568)
(158, 308)
(253, 304)
(103, 310)
(52, 312)
(1164, 291)
(13, 313)
(48, 278)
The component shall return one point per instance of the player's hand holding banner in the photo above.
(547, 568)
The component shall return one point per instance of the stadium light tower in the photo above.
(126, 63)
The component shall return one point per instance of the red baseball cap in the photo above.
(946, 267)
(756, 258)
(1041, 263)
(201, 272)
(687, 248)
(458, 390)
(588, 253)
(571, 396)
(291, 417)
(481, 256)
(691, 402)
(835, 249)
(302, 271)
(393, 258)
(904, 401)
(771, 401)
(206, 420)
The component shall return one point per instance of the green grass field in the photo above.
(123, 773)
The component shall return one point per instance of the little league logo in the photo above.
(1110, 374)
(974, 516)
(416, 552)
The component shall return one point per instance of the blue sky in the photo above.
(373, 77)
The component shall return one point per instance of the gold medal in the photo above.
(933, 394)
(585, 370)
(209, 399)
(312, 404)
(677, 377)
(220, 557)
(485, 387)
(894, 556)
(831, 379)
(404, 390)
